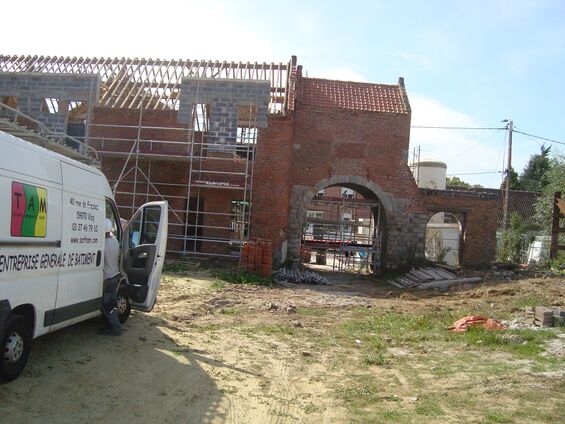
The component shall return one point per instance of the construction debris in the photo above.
(430, 278)
(544, 317)
(296, 276)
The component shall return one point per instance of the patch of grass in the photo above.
(374, 359)
(310, 408)
(393, 415)
(206, 328)
(363, 391)
(218, 284)
(277, 329)
(230, 311)
(498, 417)
(378, 331)
(166, 280)
(311, 312)
(531, 348)
(429, 407)
(530, 300)
(272, 330)
(175, 268)
(245, 278)
(535, 414)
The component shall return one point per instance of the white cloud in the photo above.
(464, 151)
(166, 29)
(343, 73)
(422, 61)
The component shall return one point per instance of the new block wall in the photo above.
(32, 88)
(223, 97)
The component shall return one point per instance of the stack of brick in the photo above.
(544, 317)
(256, 257)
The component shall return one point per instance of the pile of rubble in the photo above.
(297, 276)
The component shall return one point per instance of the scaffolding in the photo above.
(141, 147)
(350, 244)
(209, 167)
(18, 124)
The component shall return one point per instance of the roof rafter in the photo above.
(154, 83)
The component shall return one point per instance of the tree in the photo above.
(458, 182)
(515, 183)
(533, 177)
(513, 245)
(555, 181)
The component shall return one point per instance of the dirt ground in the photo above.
(213, 352)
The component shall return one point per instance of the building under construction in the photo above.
(244, 150)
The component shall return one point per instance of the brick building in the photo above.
(240, 149)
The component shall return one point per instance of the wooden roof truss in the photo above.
(153, 83)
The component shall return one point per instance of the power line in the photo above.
(501, 158)
(457, 128)
(476, 173)
(539, 137)
(474, 145)
(486, 128)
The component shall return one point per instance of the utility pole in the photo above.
(508, 176)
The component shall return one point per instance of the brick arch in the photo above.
(303, 195)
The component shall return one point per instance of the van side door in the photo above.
(143, 253)
(80, 277)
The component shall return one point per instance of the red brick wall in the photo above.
(479, 232)
(272, 182)
(340, 142)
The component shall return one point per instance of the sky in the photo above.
(466, 63)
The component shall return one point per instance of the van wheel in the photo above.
(16, 344)
(123, 305)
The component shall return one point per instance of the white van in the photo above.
(52, 216)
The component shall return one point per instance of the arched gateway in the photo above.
(382, 204)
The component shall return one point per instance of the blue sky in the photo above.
(465, 63)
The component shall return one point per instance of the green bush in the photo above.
(241, 277)
(513, 245)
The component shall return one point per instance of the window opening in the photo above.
(201, 117)
(50, 105)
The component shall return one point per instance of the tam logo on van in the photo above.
(29, 210)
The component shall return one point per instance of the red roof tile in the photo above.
(353, 95)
